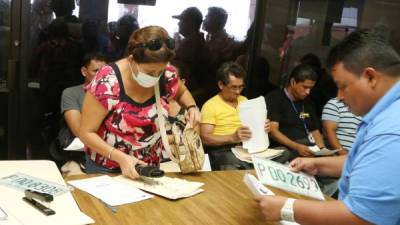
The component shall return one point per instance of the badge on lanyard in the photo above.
(304, 115)
(311, 138)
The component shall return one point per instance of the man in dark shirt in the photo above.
(294, 123)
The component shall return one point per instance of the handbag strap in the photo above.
(161, 124)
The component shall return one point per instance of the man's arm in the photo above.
(284, 140)
(329, 129)
(326, 166)
(208, 138)
(331, 212)
(73, 119)
(309, 212)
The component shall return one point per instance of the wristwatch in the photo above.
(287, 212)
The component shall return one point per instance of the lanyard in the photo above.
(297, 112)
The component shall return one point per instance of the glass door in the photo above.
(5, 27)
(13, 36)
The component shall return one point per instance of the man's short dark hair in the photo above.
(230, 68)
(220, 16)
(303, 72)
(88, 57)
(366, 48)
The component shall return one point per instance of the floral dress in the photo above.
(130, 126)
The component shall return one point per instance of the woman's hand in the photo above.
(127, 166)
(194, 116)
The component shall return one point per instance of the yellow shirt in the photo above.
(219, 113)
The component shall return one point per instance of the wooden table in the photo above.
(225, 200)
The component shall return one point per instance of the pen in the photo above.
(39, 206)
(3, 214)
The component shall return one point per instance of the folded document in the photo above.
(172, 188)
(110, 191)
(243, 155)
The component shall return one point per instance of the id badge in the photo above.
(311, 138)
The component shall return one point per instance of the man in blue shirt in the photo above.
(366, 70)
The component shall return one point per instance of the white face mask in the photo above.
(144, 79)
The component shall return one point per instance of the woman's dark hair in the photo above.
(144, 54)
(230, 68)
(302, 73)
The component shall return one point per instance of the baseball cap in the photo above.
(192, 13)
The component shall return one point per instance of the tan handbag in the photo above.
(187, 149)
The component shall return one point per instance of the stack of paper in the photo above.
(172, 188)
(253, 114)
(243, 155)
(110, 191)
(322, 151)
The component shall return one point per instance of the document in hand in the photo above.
(322, 151)
(110, 191)
(172, 188)
(244, 155)
(253, 114)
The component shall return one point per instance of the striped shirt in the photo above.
(347, 123)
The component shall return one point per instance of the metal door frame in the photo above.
(17, 79)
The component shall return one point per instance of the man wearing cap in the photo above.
(221, 45)
(191, 55)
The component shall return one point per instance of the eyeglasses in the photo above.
(156, 44)
(236, 88)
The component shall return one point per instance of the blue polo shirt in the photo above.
(370, 182)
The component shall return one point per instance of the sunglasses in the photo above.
(156, 44)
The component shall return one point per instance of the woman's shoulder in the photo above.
(105, 81)
(106, 71)
(171, 72)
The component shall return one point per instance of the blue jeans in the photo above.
(93, 167)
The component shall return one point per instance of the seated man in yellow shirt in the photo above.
(220, 127)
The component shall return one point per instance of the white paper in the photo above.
(243, 155)
(172, 188)
(67, 210)
(9, 220)
(76, 145)
(253, 114)
(172, 167)
(322, 152)
(110, 191)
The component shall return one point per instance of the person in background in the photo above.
(366, 70)
(119, 37)
(339, 125)
(324, 88)
(71, 107)
(294, 122)
(119, 113)
(220, 127)
(192, 55)
(220, 44)
(72, 97)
